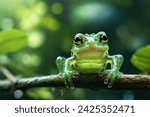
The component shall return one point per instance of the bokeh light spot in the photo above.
(40, 8)
(18, 94)
(128, 95)
(36, 39)
(51, 23)
(33, 60)
(57, 8)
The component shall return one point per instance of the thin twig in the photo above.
(8, 74)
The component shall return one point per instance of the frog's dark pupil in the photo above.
(104, 38)
(78, 40)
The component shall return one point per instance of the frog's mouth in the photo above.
(92, 49)
(91, 53)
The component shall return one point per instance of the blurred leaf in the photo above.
(141, 59)
(12, 40)
(40, 93)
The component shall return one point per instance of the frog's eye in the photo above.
(78, 40)
(103, 38)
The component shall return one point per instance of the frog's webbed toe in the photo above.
(70, 83)
(110, 78)
(68, 80)
(106, 80)
(110, 84)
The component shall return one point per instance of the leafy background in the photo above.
(34, 32)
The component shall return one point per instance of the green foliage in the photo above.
(12, 40)
(141, 59)
(40, 93)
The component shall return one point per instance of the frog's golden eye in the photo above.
(78, 40)
(103, 38)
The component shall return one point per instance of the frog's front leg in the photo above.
(116, 62)
(65, 67)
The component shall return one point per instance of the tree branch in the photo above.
(91, 81)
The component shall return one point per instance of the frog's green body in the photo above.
(89, 55)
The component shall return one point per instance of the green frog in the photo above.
(89, 54)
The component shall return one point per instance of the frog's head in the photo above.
(90, 43)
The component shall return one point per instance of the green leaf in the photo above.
(141, 59)
(40, 93)
(12, 40)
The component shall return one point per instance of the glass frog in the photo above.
(89, 54)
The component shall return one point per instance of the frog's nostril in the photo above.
(91, 43)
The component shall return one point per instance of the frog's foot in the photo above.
(69, 83)
(75, 74)
(110, 78)
(68, 79)
(119, 73)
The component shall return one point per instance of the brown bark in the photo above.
(90, 81)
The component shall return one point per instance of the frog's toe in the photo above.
(70, 83)
(106, 81)
(110, 84)
(66, 83)
(68, 80)
(75, 73)
(119, 73)
(110, 78)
